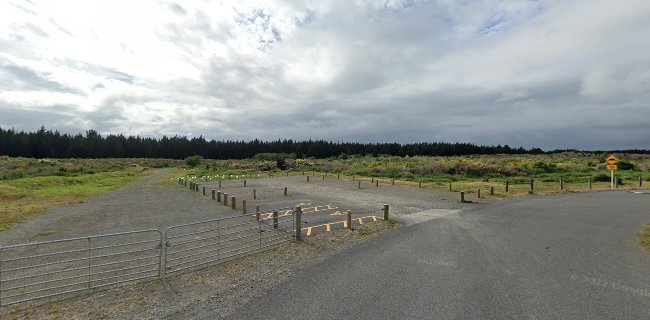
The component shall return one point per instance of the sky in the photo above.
(549, 74)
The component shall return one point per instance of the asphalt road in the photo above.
(560, 257)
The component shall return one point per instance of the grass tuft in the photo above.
(644, 237)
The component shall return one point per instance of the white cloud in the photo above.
(513, 72)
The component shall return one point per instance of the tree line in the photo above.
(53, 144)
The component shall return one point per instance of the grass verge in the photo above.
(21, 199)
(644, 237)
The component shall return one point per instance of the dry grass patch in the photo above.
(644, 237)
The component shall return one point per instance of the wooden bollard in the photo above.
(297, 228)
(372, 179)
(338, 176)
(348, 220)
(324, 177)
(225, 199)
(184, 182)
(203, 190)
(491, 191)
(218, 196)
(462, 196)
(287, 174)
(243, 206)
(285, 191)
(275, 219)
(377, 183)
(359, 184)
(640, 181)
(419, 184)
(353, 177)
(392, 181)
(507, 186)
(386, 210)
(478, 193)
(214, 193)
(244, 182)
(254, 194)
(561, 184)
(219, 184)
(532, 184)
(450, 186)
(233, 202)
(307, 178)
(590, 183)
(257, 212)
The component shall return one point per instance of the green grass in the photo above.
(644, 237)
(23, 198)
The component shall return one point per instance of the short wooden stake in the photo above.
(275, 219)
(507, 185)
(561, 184)
(419, 184)
(338, 176)
(377, 183)
(233, 202)
(307, 178)
(491, 191)
(386, 210)
(348, 220)
(359, 184)
(254, 194)
(203, 190)
(590, 183)
(298, 224)
(640, 181)
(324, 177)
(462, 196)
(243, 206)
(449, 186)
(257, 212)
(218, 196)
(285, 191)
(225, 199)
(532, 184)
(219, 184)
(214, 193)
(478, 193)
(244, 182)
(392, 181)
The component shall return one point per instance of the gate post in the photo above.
(298, 223)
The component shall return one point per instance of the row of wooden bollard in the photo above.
(217, 194)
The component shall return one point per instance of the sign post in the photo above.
(612, 165)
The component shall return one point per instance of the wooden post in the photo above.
(244, 182)
(225, 199)
(257, 212)
(185, 182)
(338, 176)
(307, 178)
(561, 184)
(285, 191)
(392, 182)
(348, 220)
(298, 224)
(462, 196)
(590, 183)
(478, 193)
(203, 190)
(419, 184)
(233, 202)
(219, 184)
(491, 191)
(214, 192)
(377, 183)
(275, 219)
(359, 184)
(324, 177)
(243, 206)
(353, 178)
(386, 210)
(507, 185)
(287, 173)
(616, 182)
(372, 179)
(532, 184)
(196, 187)
(218, 196)
(449, 186)
(254, 194)
(640, 181)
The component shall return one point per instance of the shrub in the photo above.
(194, 161)
(626, 165)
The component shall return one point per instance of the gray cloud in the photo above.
(523, 73)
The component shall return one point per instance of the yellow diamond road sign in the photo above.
(612, 160)
(612, 167)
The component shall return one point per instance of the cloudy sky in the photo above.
(550, 74)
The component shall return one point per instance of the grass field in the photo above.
(23, 198)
